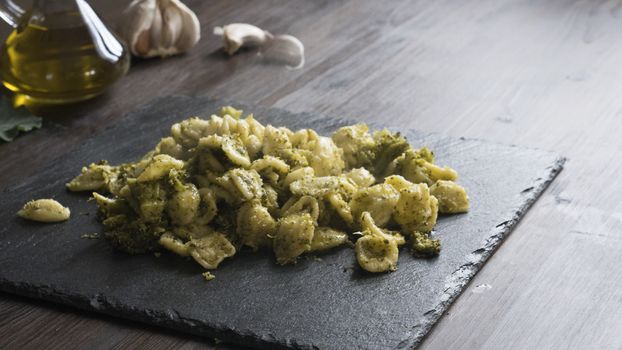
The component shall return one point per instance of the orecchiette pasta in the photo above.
(293, 237)
(218, 185)
(44, 210)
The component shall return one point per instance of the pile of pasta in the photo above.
(218, 185)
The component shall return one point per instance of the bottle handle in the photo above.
(10, 12)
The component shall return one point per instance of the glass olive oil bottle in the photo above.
(60, 52)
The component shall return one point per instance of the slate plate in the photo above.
(325, 303)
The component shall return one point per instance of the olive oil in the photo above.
(61, 57)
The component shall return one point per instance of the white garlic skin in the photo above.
(159, 28)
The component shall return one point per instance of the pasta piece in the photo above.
(341, 207)
(275, 140)
(304, 204)
(298, 174)
(207, 208)
(174, 244)
(188, 132)
(361, 177)
(255, 225)
(183, 205)
(379, 200)
(255, 128)
(170, 147)
(397, 182)
(270, 199)
(235, 151)
(376, 251)
(314, 186)
(111, 206)
(158, 167)
(452, 198)
(96, 177)
(210, 250)
(357, 145)
(293, 237)
(325, 238)
(325, 157)
(271, 168)
(44, 210)
(230, 111)
(416, 209)
(241, 184)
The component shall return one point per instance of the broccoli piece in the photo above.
(132, 236)
(423, 246)
(418, 166)
(151, 197)
(388, 147)
(360, 149)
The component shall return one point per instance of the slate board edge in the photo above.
(170, 319)
(460, 278)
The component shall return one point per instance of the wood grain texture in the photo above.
(543, 74)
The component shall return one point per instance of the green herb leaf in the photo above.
(15, 120)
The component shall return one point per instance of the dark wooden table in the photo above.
(544, 74)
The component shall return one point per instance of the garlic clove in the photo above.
(285, 49)
(172, 31)
(159, 27)
(238, 35)
(136, 31)
(192, 33)
(155, 31)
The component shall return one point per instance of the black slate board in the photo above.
(325, 303)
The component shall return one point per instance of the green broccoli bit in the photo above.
(388, 147)
(423, 246)
(132, 236)
(151, 198)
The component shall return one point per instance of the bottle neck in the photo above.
(54, 6)
(56, 14)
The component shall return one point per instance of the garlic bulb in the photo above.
(285, 49)
(159, 28)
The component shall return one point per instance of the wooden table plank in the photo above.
(541, 74)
